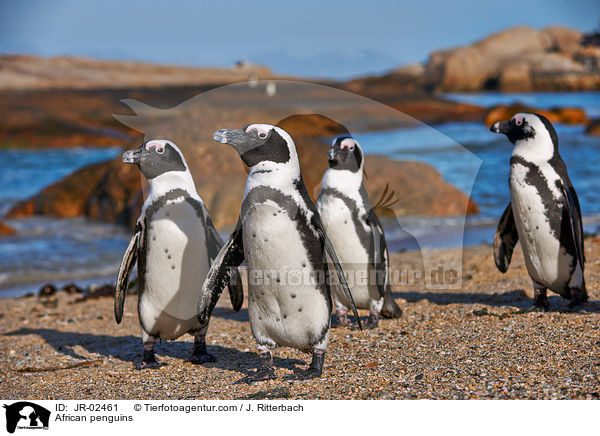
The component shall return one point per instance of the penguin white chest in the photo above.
(284, 303)
(343, 233)
(546, 261)
(176, 266)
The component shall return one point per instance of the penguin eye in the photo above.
(160, 150)
(518, 121)
(262, 135)
(351, 148)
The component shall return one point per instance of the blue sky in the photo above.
(314, 38)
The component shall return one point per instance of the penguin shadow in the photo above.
(128, 348)
(515, 298)
(125, 348)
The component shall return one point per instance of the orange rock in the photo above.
(593, 128)
(6, 230)
(565, 115)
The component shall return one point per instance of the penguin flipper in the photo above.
(336, 262)
(215, 243)
(572, 213)
(380, 261)
(378, 249)
(220, 274)
(129, 259)
(505, 239)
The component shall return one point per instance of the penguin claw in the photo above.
(146, 364)
(537, 308)
(199, 359)
(148, 360)
(306, 374)
(262, 374)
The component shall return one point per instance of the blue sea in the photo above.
(467, 155)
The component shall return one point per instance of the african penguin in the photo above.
(174, 244)
(356, 233)
(543, 212)
(280, 236)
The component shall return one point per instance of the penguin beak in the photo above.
(132, 156)
(332, 158)
(233, 137)
(501, 127)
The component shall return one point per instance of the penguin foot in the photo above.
(341, 319)
(540, 308)
(314, 370)
(200, 358)
(261, 374)
(577, 299)
(265, 370)
(148, 365)
(540, 301)
(390, 309)
(148, 361)
(372, 321)
(200, 354)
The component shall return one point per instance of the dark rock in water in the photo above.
(6, 230)
(47, 290)
(593, 128)
(72, 288)
(103, 192)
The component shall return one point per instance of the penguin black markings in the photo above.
(174, 244)
(356, 233)
(544, 213)
(281, 238)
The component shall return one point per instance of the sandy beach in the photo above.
(477, 342)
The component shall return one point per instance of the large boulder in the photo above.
(562, 39)
(516, 59)
(107, 191)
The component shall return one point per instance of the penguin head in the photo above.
(525, 127)
(260, 144)
(156, 157)
(345, 154)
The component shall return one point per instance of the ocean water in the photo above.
(467, 155)
(47, 249)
